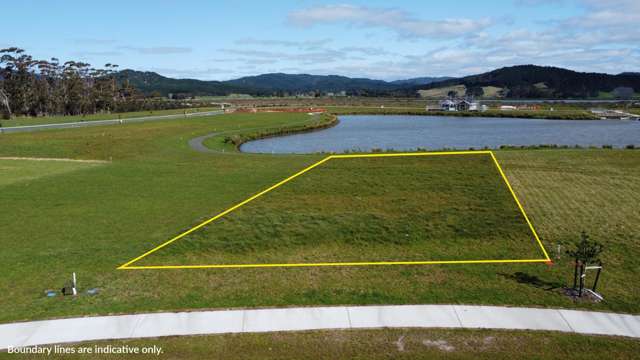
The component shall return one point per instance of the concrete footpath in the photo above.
(315, 318)
(29, 128)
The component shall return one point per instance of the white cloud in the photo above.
(157, 50)
(94, 41)
(366, 50)
(306, 57)
(98, 53)
(207, 73)
(539, 2)
(305, 45)
(396, 20)
(600, 36)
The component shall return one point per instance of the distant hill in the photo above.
(292, 83)
(531, 81)
(148, 82)
(420, 80)
(518, 82)
(269, 84)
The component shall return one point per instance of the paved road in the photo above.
(197, 144)
(315, 318)
(29, 128)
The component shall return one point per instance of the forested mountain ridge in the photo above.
(265, 84)
(305, 83)
(531, 81)
(149, 82)
(522, 81)
(421, 80)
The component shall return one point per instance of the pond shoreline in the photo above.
(328, 121)
(521, 114)
(377, 133)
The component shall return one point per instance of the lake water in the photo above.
(404, 132)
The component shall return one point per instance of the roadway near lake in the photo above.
(114, 121)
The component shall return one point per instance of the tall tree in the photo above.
(4, 103)
(40, 87)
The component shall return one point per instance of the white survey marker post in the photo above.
(75, 292)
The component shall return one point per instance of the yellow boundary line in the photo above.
(127, 265)
(524, 213)
(381, 263)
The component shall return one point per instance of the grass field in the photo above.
(443, 92)
(562, 114)
(19, 170)
(93, 219)
(380, 209)
(23, 121)
(382, 344)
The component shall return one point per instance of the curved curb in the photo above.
(197, 144)
(315, 318)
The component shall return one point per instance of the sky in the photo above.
(388, 40)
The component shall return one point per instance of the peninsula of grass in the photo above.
(92, 219)
(319, 122)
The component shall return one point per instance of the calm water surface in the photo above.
(404, 132)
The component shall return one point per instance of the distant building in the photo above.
(458, 105)
(462, 105)
(448, 105)
(508, 107)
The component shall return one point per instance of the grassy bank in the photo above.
(93, 219)
(23, 121)
(569, 114)
(319, 122)
(383, 344)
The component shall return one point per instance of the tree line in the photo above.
(32, 87)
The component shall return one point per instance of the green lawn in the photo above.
(428, 208)
(562, 113)
(23, 171)
(92, 220)
(379, 344)
(24, 120)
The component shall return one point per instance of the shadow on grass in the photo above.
(524, 278)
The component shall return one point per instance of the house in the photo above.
(463, 105)
(458, 105)
(448, 105)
